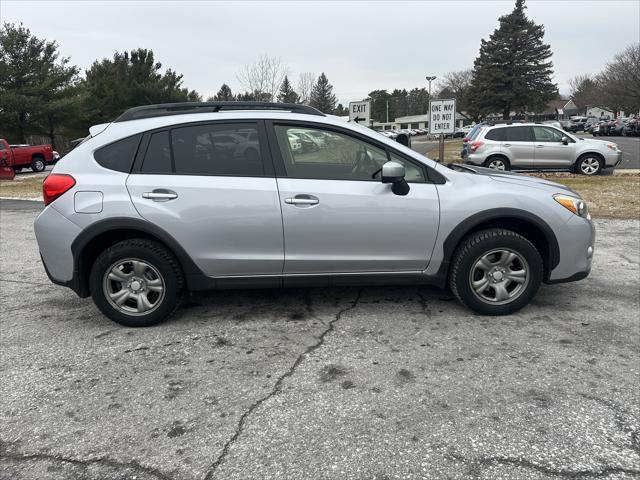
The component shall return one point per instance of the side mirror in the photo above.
(565, 140)
(394, 172)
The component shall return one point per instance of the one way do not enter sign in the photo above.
(442, 116)
(360, 112)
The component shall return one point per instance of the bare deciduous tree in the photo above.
(621, 77)
(265, 75)
(306, 81)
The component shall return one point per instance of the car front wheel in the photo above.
(136, 283)
(496, 272)
(589, 165)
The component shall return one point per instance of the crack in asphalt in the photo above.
(485, 462)
(277, 386)
(619, 415)
(103, 461)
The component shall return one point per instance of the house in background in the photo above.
(600, 112)
(555, 110)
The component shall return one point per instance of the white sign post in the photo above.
(360, 112)
(442, 120)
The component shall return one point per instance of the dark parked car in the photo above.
(632, 128)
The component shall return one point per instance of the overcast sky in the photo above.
(361, 46)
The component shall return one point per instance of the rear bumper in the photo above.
(55, 234)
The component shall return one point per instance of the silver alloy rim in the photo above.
(590, 165)
(39, 165)
(133, 287)
(497, 165)
(499, 276)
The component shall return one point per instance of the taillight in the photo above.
(465, 140)
(55, 185)
(476, 145)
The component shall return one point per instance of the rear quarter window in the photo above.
(118, 155)
(496, 134)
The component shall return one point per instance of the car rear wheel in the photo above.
(136, 283)
(496, 272)
(38, 165)
(497, 163)
(589, 165)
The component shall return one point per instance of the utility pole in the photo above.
(441, 139)
(387, 111)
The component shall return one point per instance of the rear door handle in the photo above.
(539, 146)
(160, 195)
(302, 200)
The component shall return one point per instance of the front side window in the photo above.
(217, 149)
(546, 134)
(319, 154)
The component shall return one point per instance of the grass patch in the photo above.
(22, 187)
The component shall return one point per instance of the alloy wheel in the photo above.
(499, 276)
(590, 166)
(497, 164)
(133, 286)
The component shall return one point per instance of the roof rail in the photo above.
(164, 109)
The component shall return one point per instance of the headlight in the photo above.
(575, 205)
(613, 146)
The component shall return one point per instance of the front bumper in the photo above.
(577, 244)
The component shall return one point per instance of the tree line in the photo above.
(43, 93)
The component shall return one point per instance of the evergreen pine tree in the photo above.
(224, 94)
(322, 96)
(287, 94)
(513, 70)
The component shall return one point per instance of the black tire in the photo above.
(472, 249)
(38, 164)
(581, 165)
(498, 158)
(158, 257)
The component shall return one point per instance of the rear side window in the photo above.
(118, 155)
(517, 134)
(496, 134)
(217, 149)
(157, 158)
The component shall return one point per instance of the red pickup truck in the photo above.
(18, 157)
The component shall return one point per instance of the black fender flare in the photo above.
(470, 223)
(80, 284)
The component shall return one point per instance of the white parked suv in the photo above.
(537, 146)
(174, 198)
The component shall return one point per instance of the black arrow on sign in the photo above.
(358, 119)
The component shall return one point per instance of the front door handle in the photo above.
(506, 144)
(539, 146)
(160, 195)
(302, 200)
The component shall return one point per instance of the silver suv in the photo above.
(538, 146)
(169, 199)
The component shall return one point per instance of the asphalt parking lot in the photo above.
(371, 383)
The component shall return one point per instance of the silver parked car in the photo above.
(174, 198)
(538, 146)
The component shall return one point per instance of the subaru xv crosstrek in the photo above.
(169, 199)
(535, 146)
